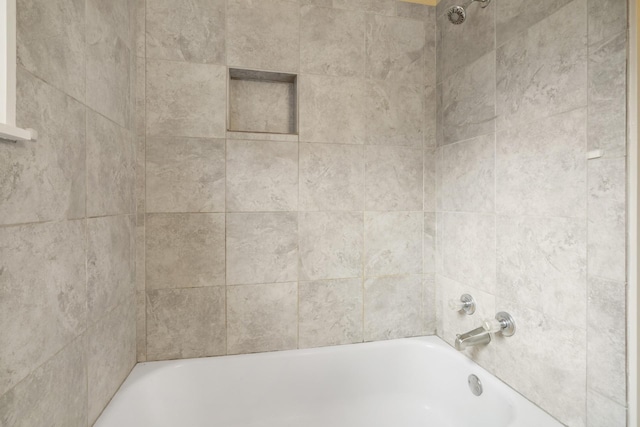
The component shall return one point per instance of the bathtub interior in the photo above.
(409, 382)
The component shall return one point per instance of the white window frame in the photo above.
(8, 129)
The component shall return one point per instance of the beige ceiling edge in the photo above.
(427, 2)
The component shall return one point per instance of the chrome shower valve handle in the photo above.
(466, 304)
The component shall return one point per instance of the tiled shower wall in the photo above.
(67, 282)
(263, 242)
(525, 223)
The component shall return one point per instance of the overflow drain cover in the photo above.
(475, 385)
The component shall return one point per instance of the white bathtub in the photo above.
(399, 383)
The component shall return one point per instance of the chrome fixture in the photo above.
(458, 14)
(475, 385)
(503, 323)
(466, 304)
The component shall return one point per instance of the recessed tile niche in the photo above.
(262, 102)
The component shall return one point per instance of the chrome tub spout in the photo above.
(478, 336)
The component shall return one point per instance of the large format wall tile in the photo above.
(331, 109)
(54, 394)
(607, 88)
(393, 243)
(51, 42)
(381, 7)
(554, 377)
(111, 355)
(602, 411)
(262, 317)
(43, 304)
(262, 176)
(110, 263)
(542, 263)
(392, 307)
(466, 247)
(516, 16)
(332, 42)
(395, 49)
(606, 339)
(429, 190)
(185, 250)
(429, 243)
(466, 175)
(330, 245)
(109, 60)
(541, 167)
(186, 99)
(606, 19)
(263, 34)
(44, 181)
(185, 174)
(393, 178)
(460, 45)
(110, 167)
(543, 71)
(171, 312)
(468, 101)
(395, 113)
(330, 312)
(331, 177)
(262, 247)
(607, 218)
(186, 30)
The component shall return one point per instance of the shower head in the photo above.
(458, 14)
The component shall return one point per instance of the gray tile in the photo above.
(392, 307)
(432, 157)
(110, 264)
(140, 111)
(332, 41)
(606, 19)
(111, 355)
(466, 245)
(602, 412)
(429, 244)
(429, 302)
(185, 250)
(186, 99)
(262, 176)
(606, 339)
(330, 245)
(330, 312)
(466, 177)
(141, 326)
(44, 181)
(331, 109)
(171, 312)
(262, 106)
(141, 32)
(393, 178)
(51, 42)
(461, 45)
(542, 263)
(607, 218)
(382, 7)
(331, 177)
(42, 291)
(185, 175)
(468, 101)
(555, 375)
(395, 49)
(420, 12)
(541, 167)
(262, 317)
(395, 114)
(186, 30)
(393, 243)
(54, 394)
(431, 110)
(262, 247)
(543, 71)
(516, 16)
(108, 60)
(606, 127)
(263, 35)
(110, 167)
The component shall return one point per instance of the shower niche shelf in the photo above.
(261, 102)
